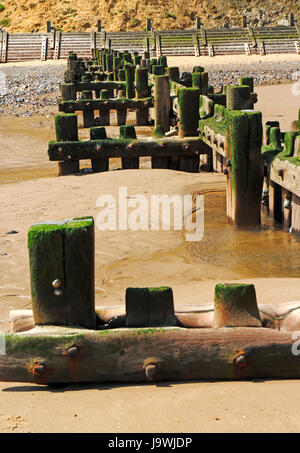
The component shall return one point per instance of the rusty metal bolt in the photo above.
(73, 352)
(187, 147)
(56, 283)
(38, 369)
(241, 361)
(151, 372)
(69, 157)
(98, 148)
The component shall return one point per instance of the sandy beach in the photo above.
(31, 192)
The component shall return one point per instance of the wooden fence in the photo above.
(215, 41)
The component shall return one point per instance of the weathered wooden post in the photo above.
(245, 167)
(109, 62)
(88, 115)
(68, 91)
(142, 91)
(237, 97)
(104, 112)
(148, 24)
(150, 307)
(62, 272)
(116, 67)
(160, 161)
(236, 306)
(200, 80)
(128, 132)
(173, 73)
(162, 102)
(158, 69)
(100, 164)
(121, 112)
(130, 76)
(197, 23)
(188, 103)
(66, 129)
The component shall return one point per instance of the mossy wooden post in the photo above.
(150, 307)
(109, 62)
(158, 70)
(188, 103)
(128, 132)
(88, 115)
(130, 72)
(104, 112)
(162, 102)
(137, 59)
(200, 80)
(246, 172)
(116, 67)
(142, 91)
(66, 129)
(62, 272)
(121, 112)
(248, 81)
(160, 161)
(70, 76)
(110, 78)
(68, 91)
(99, 165)
(237, 97)
(173, 73)
(236, 306)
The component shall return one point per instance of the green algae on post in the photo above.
(62, 272)
(236, 306)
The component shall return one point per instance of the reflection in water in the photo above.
(264, 252)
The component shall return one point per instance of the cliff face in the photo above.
(121, 15)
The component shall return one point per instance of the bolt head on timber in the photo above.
(151, 372)
(56, 283)
(241, 361)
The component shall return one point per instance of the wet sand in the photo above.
(30, 192)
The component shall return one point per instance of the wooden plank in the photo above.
(4, 47)
(57, 45)
(44, 49)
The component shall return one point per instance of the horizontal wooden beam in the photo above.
(98, 86)
(111, 104)
(99, 149)
(53, 354)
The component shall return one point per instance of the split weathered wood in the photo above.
(62, 284)
(58, 355)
